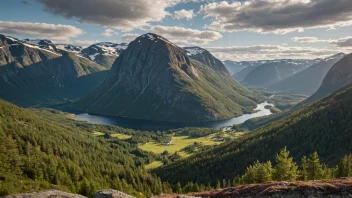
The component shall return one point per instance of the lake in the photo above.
(147, 125)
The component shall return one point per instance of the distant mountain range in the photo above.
(240, 70)
(274, 71)
(154, 79)
(309, 80)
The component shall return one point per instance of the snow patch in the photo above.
(92, 57)
(194, 51)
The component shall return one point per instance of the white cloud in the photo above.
(187, 14)
(125, 15)
(186, 35)
(109, 32)
(263, 52)
(85, 43)
(310, 40)
(129, 37)
(56, 32)
(278, 16)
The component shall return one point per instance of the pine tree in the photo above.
(218, 185)
(286, 168)
(304, 169)
(178, 188)
(315, 168)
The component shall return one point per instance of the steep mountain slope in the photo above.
(309, 80)
(274, 71)
(43, 154)
(323, 126)
(339, 76)
(155, 79)
(30, 75)
(104, 53)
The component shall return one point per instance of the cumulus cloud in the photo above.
(278, 16)
(181, 14)
(129, 37)
(186, 35)
(109, 32)
(343, 42)
(120, 14)
(263, 52)
(41, 30)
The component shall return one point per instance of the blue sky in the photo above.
(247, 30)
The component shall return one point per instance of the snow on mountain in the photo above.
(191, 51)
(69, 48)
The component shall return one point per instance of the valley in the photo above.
(175, 99)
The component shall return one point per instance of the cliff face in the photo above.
(154, 79)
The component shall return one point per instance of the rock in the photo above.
(111, 194)
(46, 194)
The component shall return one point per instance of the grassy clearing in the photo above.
(98, 133)
(178, 143)
(153, 165)
(121, 136)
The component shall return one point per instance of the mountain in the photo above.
(154, 79)
(339, 76)
(69, 48)
(36, 72)
(235, 67)
(323, 126)
(45, 154)
(274, 71)
(104, 53)
(309, 80)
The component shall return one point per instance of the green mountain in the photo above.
(309, 80)
(39, 74)
(323, 126)
(156, 80)
(38, 153)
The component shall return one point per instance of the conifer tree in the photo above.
(286, 168)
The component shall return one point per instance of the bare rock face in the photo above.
(46, 194)
(111, 194)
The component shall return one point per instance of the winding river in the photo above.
(147, 125)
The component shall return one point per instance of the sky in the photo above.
(239, 30)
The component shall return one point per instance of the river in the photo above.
(147, 125)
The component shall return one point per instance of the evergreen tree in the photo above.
(286, 168)
(314, 169)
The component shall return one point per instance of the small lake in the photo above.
(147, 125)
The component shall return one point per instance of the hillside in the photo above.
(309, 80)
(154, 79)
(45, 154)
(274, 71)
(323, 126)
(32, 74)
(338, 77)
(337, 188)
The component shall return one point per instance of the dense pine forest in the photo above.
(322, 127)
(37, 154)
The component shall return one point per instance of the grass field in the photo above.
(154, 164)
(97, 133)
(121, 136)
(178, 143)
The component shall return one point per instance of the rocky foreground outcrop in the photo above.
(59, 194)
(313, 189)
